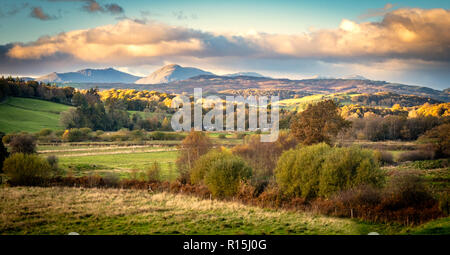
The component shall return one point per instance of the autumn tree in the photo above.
(23, 143)
(262, 157)
(318, 123)
(440, 138)
(192, 147)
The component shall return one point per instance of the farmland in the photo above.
(30, 115)
(113, 211)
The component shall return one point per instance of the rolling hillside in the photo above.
(31, 115)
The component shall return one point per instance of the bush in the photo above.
(154, 172)
(416, 155)
(27, 169)
(385, 157)
(111, 179)
(23, 143)
(440, 138)
(192, 147)
(53, 161)
(45, 132)
(3, 153)
(321, 170)
(76, 134)
(431, 164)
(262, 157)
(221, 172)
(222, 136)
(406, 189)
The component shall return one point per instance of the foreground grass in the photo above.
(58, 210)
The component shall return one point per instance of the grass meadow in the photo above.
(58, 210)
(30, 115)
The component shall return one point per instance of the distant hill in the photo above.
(251, 74)
(171, 73)
(218, 84)
(356, 77)
(108, 75)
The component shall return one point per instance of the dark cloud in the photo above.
(38, 13)
(114, 8)
(92, 6)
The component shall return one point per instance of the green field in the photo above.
(56, 210)
(30, 115)
(123, 163)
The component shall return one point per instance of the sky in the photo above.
(402, 41)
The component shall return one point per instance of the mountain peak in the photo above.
(170, 73)
(88, 75)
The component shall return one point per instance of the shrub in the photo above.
(222, 136)
(3, 152)
(76, 134)
(45, 132)
(192, 147)
(431, 164)
(53, 162)
(202, 165)
(385, 157)
(406, 189)
(154, 172)
(111, 179)
(221, 172)
(440, 138)
(27, 169)
(6, 139)
(23, 143)
(416, 155)
(158, 135)
(263, 156)
(320, 170)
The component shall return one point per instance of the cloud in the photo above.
(38, 13)
(404, 34)
(376, 12)
(93, 6)
(114, 8)
(417, 36)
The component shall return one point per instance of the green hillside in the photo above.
(31, 115)
(300, 104)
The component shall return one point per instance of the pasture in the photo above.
(30, 115)
(58, 210)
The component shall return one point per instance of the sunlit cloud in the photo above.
(404, 33)
(417, 36)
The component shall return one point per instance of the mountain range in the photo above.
(170, 73)
(177, 79)
(108, 75)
